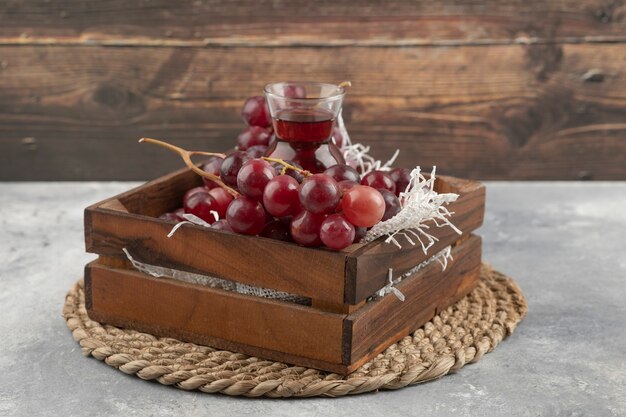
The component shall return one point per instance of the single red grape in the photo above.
(231, 166)
(363, 206)
(281, 196)
(222, 225)
(212, 166)
(222, 200)
(253, 136)
(359, 233)
(200, 205)
(392, 204)
(343, 172)
(319, 193)
(277, 230)
(379, 179)
(305, 228)
(195, 190)
(272, 141)
(246, 215)
(402, 178)
(253, 177)
(256, 151)
(255, 112)
(336, 232)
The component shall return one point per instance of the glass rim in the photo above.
(341, 91)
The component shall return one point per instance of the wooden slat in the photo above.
(380, 323)
(266, 263)
(213, 317)
(324, 22)
(368, 266)
(506, 112)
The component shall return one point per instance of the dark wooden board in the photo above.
(503, 111)
(325, 22)
(274, 329)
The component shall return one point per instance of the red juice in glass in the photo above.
(304, 125)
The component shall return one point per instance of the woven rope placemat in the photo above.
(461, 334)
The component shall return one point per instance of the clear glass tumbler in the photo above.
(303, 115)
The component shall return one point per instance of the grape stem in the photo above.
(186, 155)
(287, 165)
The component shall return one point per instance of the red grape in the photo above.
(305, 228)
(343, 172)
(363, 206)
(319, 193)
(281, 196)
(402, 178)
(359, 233)
(231, 166)
(222, 225)
(379, 179)
(253, 177)
(336, 232)
(193, 191)
(272, 140)
(392, 204)
(255, 112)
(246, 215)
(256, 151)
(222, 200)
(212, 166)
(200, 205)
(253, 136)
(277, 230)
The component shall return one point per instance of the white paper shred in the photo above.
(422, 207)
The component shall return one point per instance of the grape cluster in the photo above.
(279, 200)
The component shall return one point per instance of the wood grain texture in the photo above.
(301, 22)
(383, 322)
(211, 316)
(497, 112)
(274, 329)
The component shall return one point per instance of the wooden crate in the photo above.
(338, 331)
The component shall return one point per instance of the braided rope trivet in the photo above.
(461, 334)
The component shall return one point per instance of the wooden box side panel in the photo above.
(256, 326)
(383, 322)
(260, 262)
(367, 268)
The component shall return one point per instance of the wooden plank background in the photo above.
(505, 89)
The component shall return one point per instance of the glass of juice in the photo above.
(303, 115)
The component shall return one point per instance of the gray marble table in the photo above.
(565, 244)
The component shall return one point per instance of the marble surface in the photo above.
(563, 242)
